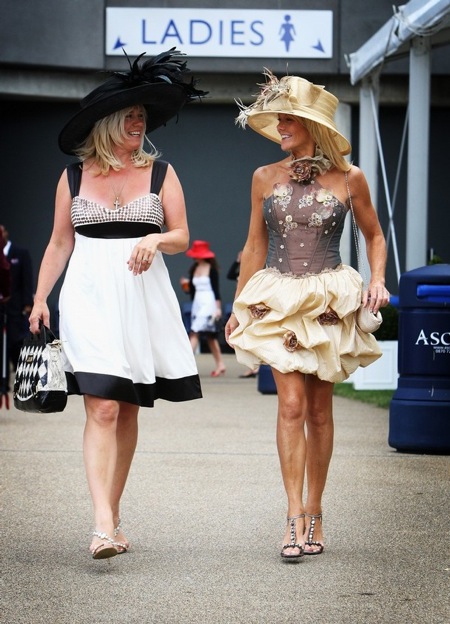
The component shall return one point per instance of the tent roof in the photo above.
(417, 18)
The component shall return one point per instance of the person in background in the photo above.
(295, 301)
(118, 210)
(5, 294)
(21, 301)
(233, 274)
(233, 271)
(206, 311)
(5, 270)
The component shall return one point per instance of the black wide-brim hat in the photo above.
(162, 84)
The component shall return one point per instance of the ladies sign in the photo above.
(220, 32)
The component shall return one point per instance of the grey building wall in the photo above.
(51, 53)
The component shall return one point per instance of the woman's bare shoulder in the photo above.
(356, 175)
(265, 170)
(358, 185)
(271, 173)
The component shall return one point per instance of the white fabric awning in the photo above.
(429, 18)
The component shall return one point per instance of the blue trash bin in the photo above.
(419, 415)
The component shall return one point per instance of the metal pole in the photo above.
(418, 150)
(368, 153)
(386, 190)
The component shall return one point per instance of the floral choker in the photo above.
(305, 169)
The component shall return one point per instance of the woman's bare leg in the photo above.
(320, 434)
(193, 337)
(291, 444)
(100, 459)
(214, 347)
(126, 440)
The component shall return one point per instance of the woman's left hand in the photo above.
(376, 296)
(142, 255)
(231, 325)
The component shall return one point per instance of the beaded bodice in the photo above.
(146, 209)
(305, 224)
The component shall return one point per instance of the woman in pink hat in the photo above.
(206, 311)
(296, 303)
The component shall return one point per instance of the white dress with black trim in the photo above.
(123, 336)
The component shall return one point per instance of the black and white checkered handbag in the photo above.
(40, 383)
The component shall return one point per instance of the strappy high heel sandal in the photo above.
(310, 541)
(121, 546)
(292, 523)
(104, 551)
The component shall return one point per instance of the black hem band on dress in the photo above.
(121, 389)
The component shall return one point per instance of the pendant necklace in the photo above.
(118, 193)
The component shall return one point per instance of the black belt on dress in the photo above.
(117, 229)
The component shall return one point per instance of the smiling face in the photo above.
(295, 138)
(123, 130)
(134, 127)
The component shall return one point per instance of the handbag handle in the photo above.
(361, 265)
(44, 336)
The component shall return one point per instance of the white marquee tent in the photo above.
(415, 29)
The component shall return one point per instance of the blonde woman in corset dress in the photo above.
(295, 302)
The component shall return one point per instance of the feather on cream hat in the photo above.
(291, 95)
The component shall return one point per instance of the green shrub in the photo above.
(380, 398)
(435, 260)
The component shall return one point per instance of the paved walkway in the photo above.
(205, 509)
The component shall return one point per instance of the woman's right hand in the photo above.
(231, 325)
(185, 285)
(40, 312)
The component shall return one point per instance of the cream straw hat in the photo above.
(291, 96)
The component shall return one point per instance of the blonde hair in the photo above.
(110, 131)
(323, 138)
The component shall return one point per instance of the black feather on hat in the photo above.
(162, 84)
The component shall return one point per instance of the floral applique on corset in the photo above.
(328, 204)
(305, 224)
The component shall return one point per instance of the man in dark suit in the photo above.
(21, 301)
